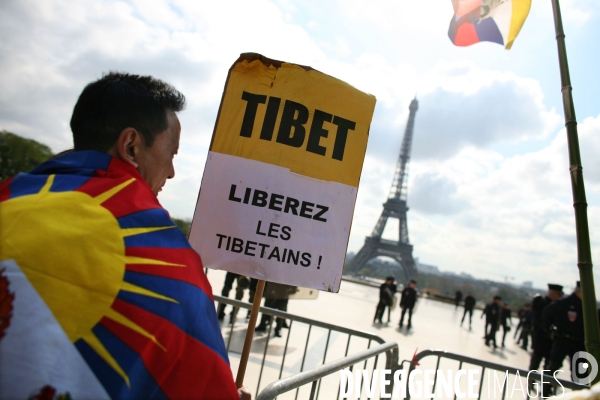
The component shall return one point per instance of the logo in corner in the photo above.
(584, 368)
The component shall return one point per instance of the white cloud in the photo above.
(396, 16)
(589, 142)
(578, 12)
(465, 105)
(433, 193)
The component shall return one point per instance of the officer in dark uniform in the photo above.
(505, 320)
(243, 283)
(469, 306)
(541, 342)
(563, 320)
(276, 296)
(520, 315)
(526, 324)
(407, 302)
(230, 277)
(494, 315)
(457, 298)
(386, 297)
(486, 313)
(252, 292)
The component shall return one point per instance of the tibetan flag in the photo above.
(497, 21)
(101, 295)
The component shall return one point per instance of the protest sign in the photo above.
(281, 177)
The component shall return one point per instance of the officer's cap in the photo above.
(552, 286)
(389, 278)
(578, 284)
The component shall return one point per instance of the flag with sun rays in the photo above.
(497, 21)
(101, 295)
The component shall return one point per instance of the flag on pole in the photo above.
(497, 21)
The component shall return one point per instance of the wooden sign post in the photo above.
(260, 288)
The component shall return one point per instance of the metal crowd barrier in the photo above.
(313, 376)
(486, 365)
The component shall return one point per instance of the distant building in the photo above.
(467, 276)
(428, 269)
(527, 285)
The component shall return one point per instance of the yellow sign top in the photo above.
(297, 118)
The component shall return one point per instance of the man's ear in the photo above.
(127, 147)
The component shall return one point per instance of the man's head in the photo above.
(133, 118)
(497, 299)
(412, 283)
(578, 289)
(555, 291)
(389, 279)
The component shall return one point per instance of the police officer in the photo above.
(243, 283)
(520, 315)
(494, 316)
(526, 324)
(505, 320)
(563, 320)
(386, 297)
(276, 296)
(230, 277)
(407, 302)
(541, 342)
(486, 313)
(457, 298)
(469, 306)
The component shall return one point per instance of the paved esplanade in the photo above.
(436, 325)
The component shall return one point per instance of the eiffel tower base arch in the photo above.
(376, 247)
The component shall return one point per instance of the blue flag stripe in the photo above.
(172, 238)
(67, 183)
(146, 218)
(142, 383)
(196, 324)
(24, 184)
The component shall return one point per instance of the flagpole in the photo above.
(584, 253)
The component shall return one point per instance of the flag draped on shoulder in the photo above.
(497, 21)
(101, 295)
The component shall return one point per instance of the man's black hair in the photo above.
(118, 101)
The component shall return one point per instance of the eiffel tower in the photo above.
(394, 207)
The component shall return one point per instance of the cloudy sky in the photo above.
(489, 188)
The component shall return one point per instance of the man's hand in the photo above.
(244, 393)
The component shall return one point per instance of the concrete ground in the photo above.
(436, 325)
